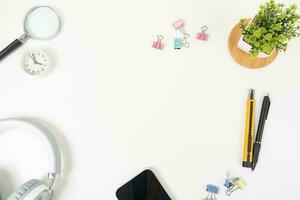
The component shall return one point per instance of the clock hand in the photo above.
(35, 61)
(30, 56)
(33, 58)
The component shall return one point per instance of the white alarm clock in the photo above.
(36, 62)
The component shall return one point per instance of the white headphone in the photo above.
(35, 189)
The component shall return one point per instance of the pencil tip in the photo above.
(251, 93)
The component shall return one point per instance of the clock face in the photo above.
(36, 62)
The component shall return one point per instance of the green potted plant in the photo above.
(270, 30)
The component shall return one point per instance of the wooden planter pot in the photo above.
(242, 57)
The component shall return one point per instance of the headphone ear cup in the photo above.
(28, 187)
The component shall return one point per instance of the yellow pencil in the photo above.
(249, 131)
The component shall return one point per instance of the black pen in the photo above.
(263, 117)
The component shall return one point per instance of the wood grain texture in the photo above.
(242, 57)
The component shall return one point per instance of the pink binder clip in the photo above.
(203, 36)
(179, 25)
(158, 44)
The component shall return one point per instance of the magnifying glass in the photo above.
(41, 23)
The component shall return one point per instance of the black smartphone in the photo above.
(144, 186)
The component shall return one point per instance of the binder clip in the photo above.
(212, 191)
(203, 35)
(233, 184)
(181, 42)
(228, 183)
(179, 25)
(158, 44)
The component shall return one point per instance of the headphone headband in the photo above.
(25, 124)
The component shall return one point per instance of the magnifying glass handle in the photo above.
(12, 46)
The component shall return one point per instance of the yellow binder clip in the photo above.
(241, 184)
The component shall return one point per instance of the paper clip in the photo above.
(212, 191)
(158, 44)
(233, 184)
(203, 35)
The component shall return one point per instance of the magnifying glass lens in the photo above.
(42, 23)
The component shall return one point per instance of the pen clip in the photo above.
(267, 100)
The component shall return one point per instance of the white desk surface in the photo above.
(117, 106)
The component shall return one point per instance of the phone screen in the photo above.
(144, 186)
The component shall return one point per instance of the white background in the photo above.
(118, 106)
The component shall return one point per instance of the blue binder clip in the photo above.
(181, 42)
(212, 191)
(177, 43)
(228, 184)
